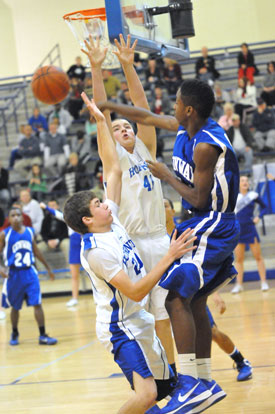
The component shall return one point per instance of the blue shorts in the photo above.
(209, 266)
(210, 316)
(21, 284)
(75, 246)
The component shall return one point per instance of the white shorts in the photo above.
(151, 250)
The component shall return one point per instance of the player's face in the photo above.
(181, 111)
(15, 218)
(124, 134)
(244, 183)
(101, 213)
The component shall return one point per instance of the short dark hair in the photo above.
(170, 203)
(77, 207)
(15, 208)
(199, 95)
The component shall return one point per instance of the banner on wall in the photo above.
(265, 186)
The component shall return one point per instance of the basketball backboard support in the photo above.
(154, 34)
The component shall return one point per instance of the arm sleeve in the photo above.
(58, 214)
(263, 206)
(104, 264)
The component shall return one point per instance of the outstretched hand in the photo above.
(94, 52)
(180, 246)
(92, 108)
(159, 169)
(125, 52)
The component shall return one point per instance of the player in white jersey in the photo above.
(120, 283)
(141, 209)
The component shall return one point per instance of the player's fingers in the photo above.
(91, 40)
(97, 41)
(117, 44)
(174, 236)
(85, 51)
(122, 41)
(128, 40)
(134, 44)
(186, 234)
(85, 98)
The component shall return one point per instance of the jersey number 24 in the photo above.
(22, 259)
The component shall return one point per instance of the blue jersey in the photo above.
(225, 188)
(18, 252)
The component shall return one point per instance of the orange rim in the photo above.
(92, 13)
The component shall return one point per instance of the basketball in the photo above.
(50, 84)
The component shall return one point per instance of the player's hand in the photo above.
(159, 170)
(94, 52)
(42, 205)
(51, 274)
(270, 176)
(125, 52)
(181, 245)
(256, 220)
(3, 272)
(219, 302)
(93, 109)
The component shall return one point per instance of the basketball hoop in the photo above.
(92, 22)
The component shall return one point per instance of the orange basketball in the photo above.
(50, 84)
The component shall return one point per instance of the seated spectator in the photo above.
(81, 145)
(38, 122)
(264, 126)
(123, 87)
(225, 120)
(221, 96)
(77, 70)
(75, 101)
(111, 84)
(74, 175)
(32, 209)
(29, 150)
(124, 98)
(98, 188)
(37, 183)
(242, 142)
(245, 97)
(172, 75)
(64, 117)
(14, 155)
(153, 75)
(161, 105)
(26, 219)
(56, 151)
(247, 67)
(91, 132)
(4, 188)
(88, 86)
(268, 94)
(138, 62)
(205, 67)
(54, 232)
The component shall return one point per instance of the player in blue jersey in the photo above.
(22, 283)
(245, 207)
(207, 178)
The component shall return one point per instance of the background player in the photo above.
(17, 242)
(141, 209)
(119, 281)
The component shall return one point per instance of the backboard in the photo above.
(154, 33)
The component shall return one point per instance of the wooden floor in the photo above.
(78, 375)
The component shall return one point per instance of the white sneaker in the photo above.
(72, 302)
(264, 286)
(237, 288)
(2, 314)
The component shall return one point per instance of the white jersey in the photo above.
(112, 252)
(141, 208)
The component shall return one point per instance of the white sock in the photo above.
(204, 368)
(188, 365)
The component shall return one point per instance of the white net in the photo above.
(83, 27)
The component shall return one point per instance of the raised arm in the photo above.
(107, 152)
(142, 116)
(125, 54)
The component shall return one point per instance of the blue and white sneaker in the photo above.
(46, 340)
(189, 393)
(217, 395)
(245, 370)
(153, 410)
(14, 339)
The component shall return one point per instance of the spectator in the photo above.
(245, 97)
(205, 67)
(268, 94)
(225, 120)
(54, 232)
(98, 188)
(29, 150)
(247, 67)
(123, 87)
(77, 70)
(37, 183)
(264, 125)
(32, 209)
(88, 86)
(152, 75)
(38, 122)
(75, 101)
(56, 151)
(81, 145)
(242, 142)
(91, 132)
(172, 75)
(64, 117)
(74, 175)
(111, 84)
(221, 96)
(4, 188)
(14, 155)
(125, 98)
(26, 219)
